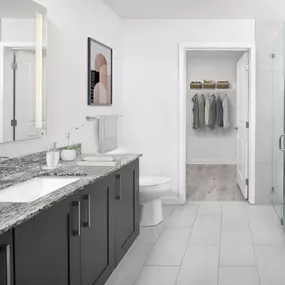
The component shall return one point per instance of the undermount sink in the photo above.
(34, 189)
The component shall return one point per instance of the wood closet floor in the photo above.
(212, 183)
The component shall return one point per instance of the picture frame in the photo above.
(100, 74)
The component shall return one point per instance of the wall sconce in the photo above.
(39, 71)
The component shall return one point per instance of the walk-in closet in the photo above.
(217, 140)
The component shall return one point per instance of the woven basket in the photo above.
(195, 85)
(223, 85)
(209, 85)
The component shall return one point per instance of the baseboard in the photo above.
(171, 201)
(212, 162)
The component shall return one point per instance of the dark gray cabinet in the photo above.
(78, 241)
(6, 259)
(126, 208)
(42, 247)
(97, 261)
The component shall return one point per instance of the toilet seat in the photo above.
(149, 181)
(153, 187)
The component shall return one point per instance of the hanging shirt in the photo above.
(212, 113)
(195, 112)
(226, 117)
(201, 112)
(219, 105)
(207, 110)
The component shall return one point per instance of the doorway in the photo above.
(217, 160)
(218, 156)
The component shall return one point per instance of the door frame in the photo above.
(182, 135)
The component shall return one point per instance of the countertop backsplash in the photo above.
(28, 162)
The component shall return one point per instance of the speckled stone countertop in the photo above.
(13, 214)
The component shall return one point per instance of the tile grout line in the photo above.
(144, 263)
(187, 243)
(256, 266)
(219, 261)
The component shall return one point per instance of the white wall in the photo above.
(206, 146)
(150, 84)
(18, 30)
(70, 22)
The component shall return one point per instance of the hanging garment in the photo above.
(201, 112)
(226, 117)
(195, 112)
(220, 116)
(207, 110)
(212, 113)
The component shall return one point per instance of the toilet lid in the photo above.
(153, 180)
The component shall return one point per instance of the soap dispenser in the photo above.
(50, 157)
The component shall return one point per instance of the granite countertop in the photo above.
(13, 214)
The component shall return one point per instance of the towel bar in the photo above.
(88, 118)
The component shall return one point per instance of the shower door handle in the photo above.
(280, 143)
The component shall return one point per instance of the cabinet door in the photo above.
(126, 208)
(42, 248)
(97, 251)
(6, 259)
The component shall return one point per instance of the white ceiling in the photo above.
(196, 9)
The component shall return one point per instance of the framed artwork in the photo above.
(100, 72)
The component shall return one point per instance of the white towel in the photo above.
(226, 118)
(207, 110)
(108, 133)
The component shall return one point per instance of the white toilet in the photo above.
(152, 189)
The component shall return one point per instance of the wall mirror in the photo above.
(23, 48)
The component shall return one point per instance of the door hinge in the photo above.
(14, 65)
(247, 67)
(247, 182)
(272, 189)
(273, 55)
(247, 125)
(14, 123)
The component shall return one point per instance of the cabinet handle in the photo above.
(118, 187)
(76, 206)
(8, 264)
(86, 223)
(280, 142)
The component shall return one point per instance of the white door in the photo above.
(25, 95)
(242, 119)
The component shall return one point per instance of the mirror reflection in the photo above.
(22, 70)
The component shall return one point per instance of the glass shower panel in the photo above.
(278, 125)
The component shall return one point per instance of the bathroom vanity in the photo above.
(75, 235)
(51, 233)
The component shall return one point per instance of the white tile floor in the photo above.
(207, 243)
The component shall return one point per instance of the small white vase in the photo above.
(68, 154)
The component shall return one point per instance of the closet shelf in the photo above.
(212, 90)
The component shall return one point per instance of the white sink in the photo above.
(34, 189)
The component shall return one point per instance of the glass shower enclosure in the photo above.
(278, 144)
